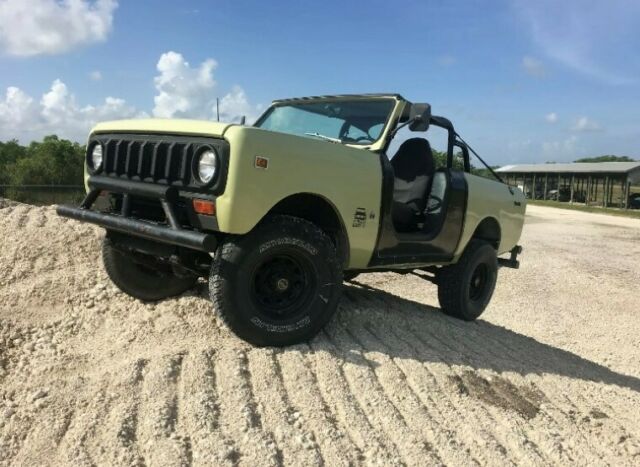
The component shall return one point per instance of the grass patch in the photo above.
(633, 213)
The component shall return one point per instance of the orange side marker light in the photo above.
(262, 162)
(203, 206)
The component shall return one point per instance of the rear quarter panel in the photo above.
(488, 198)
(350, 179)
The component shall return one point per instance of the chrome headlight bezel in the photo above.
(95, 157)
(206, 165)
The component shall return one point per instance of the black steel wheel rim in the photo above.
(479, 281)
(282, 284)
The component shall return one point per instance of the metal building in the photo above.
(605, 183)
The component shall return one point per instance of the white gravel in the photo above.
(549, 375)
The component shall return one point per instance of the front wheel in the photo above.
(279, 284)
(465, 288)
(142, 277)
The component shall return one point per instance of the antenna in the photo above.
(218, 109)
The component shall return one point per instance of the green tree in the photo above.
(607, 158)
(440, 159)
(53, 161)
(10, 153)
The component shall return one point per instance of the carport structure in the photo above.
(592, 183)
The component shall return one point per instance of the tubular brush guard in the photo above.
(173, 233)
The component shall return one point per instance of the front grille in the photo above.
(149, 161)
(160, 159)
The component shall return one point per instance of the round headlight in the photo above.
(207, 165)
(96, 157)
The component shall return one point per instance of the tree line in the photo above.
(52, 161)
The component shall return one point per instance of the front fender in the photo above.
(349, 178)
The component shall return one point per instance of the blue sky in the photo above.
(523, 81)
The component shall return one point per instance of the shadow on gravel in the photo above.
(378, 321)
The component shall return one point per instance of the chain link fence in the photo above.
(42, 195)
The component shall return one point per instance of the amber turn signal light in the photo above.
(203, 206)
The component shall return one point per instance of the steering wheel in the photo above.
(364, 138)
(434, 203)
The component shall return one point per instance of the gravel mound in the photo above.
(550, 375)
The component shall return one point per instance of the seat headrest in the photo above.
(413, 158)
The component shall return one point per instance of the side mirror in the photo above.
(420, 116)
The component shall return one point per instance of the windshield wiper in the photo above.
(326, 138)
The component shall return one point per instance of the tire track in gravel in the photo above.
(438, 403)
(12, 214)
(200, 416)
(551, 413)
(435, 375)
(370, 439)
(553, 447)
(520, 438)
(556, 415)
(450, 426)
(160, 444)
(45, 433)
(77, 447)
(415, 411)
(121, 425)
(376, 405)
(295, 371)
(239, 419)
(276, 409)
(392, 383)
(36, 218)
(579, 404)
(513, 439)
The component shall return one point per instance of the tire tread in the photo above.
(450, 282)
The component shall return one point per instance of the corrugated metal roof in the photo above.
(576, 167)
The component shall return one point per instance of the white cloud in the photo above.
(533, 67)
(187, 92)
(34, 27)
(551, 117)
(57, 112)
(182, 91)
(584, 124)
(585, 35)
(235, 105)
(17, 109)
(96, 75)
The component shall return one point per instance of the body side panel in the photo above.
(488, 198)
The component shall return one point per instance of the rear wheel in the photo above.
(465, 288)
(279, 284)
(141, 276)
(350, 275)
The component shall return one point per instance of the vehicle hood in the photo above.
(166, 126)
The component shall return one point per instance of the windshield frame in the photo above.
(398, 105)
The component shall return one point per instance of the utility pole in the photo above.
(218, 109)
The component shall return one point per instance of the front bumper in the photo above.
(171, 233)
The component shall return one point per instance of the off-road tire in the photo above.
(350, 275)
(142, 282)
(457, 295)
(239, 291)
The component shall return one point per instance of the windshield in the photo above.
(349, 121)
